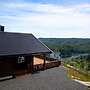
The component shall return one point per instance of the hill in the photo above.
(68, 46)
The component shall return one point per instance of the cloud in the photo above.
(45, 8)
(46, 19)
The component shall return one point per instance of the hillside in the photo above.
(68, 46)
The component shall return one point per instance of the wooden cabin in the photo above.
(17, 51)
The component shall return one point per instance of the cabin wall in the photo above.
(7, 64)
(10, 64)
(29, 60)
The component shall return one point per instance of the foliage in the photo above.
(68, 46)
(80, 62)
(77, 74)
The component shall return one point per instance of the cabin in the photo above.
(17, 51)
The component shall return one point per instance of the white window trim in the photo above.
(21, 59)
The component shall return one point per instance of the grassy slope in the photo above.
(74, 74)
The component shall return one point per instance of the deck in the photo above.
(50, 79)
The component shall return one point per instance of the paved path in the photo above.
(51, 79)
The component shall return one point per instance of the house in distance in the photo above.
(17, 51)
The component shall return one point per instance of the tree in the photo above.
(88, 63)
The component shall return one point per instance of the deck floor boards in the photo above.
(50, 79)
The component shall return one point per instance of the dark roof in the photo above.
(20, 43)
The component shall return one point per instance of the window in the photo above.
(21, 59)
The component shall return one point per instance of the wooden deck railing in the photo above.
(51, 64)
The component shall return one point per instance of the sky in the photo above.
(47, 18)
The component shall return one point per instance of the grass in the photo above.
(74, 74)
(77, 75)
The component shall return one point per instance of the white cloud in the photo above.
(46, 8)
(46, 19)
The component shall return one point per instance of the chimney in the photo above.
(1, 28)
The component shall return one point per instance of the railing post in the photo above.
(44, 63)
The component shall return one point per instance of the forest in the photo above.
(68, 46)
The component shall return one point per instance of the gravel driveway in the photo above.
(51, 79)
